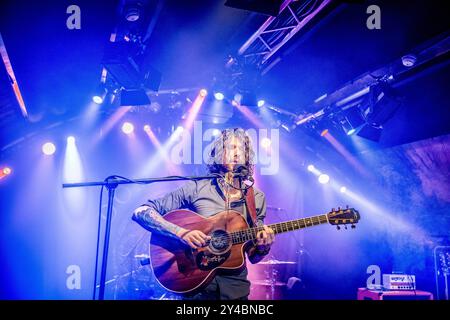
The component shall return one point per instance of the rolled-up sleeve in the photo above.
(179, 198)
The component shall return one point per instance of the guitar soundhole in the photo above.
(220, 241)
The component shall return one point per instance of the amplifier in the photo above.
(399, 282)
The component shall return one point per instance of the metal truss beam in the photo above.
(393, 74)
(275, 32)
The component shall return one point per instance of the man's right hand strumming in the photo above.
(194, 238)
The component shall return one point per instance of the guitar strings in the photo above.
(252, 231)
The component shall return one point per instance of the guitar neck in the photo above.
(292, 225)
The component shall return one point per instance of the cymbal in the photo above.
(268, 283)
(275, 261)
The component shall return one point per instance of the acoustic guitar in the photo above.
(181, 269)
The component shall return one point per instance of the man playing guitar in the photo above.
(230, 151)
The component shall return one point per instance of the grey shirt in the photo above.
(206, 197)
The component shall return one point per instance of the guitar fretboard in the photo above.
(250, 233)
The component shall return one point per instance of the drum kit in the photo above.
(270, 288)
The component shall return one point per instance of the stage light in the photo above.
(261, 103)
(97, 99)
(352, 121)
(5, 171)
(203, 92)
(324, 178)
(127, 68)
(132, 11)
(348, 128)
(99, 95)
(409, 60)
(324, 132)
(381, 105)
(265, 143)
(219, 96)
(74, 198)
(147, 128)
(343, 189)
(127, 128)
(216, 132)
(48, 148)
(311, 168)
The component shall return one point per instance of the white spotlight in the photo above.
(343, 189)
(219, 96)
(97, 99)
(127, 128)
(409, 60)
(324, 178)
(311, 168)
(48, 148)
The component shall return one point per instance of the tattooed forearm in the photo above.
(151, 220)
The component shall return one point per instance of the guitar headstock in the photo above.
(343, 216)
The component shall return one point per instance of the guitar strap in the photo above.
(250, 202)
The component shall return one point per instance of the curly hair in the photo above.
(215, 162)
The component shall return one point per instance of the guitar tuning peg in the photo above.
(337, 227)
(332, 209)
(353, 226)
(346, 206)
(339, 209)
(345, 227)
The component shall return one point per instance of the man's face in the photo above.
(234, 153)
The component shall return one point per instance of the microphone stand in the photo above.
(111, 183)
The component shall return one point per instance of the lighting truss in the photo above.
(392, 74)
(12, 77)
(275, 32)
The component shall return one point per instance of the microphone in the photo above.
(242, 172)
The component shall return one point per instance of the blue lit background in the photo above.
(400, 185)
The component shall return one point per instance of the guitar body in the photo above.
(181, 269)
